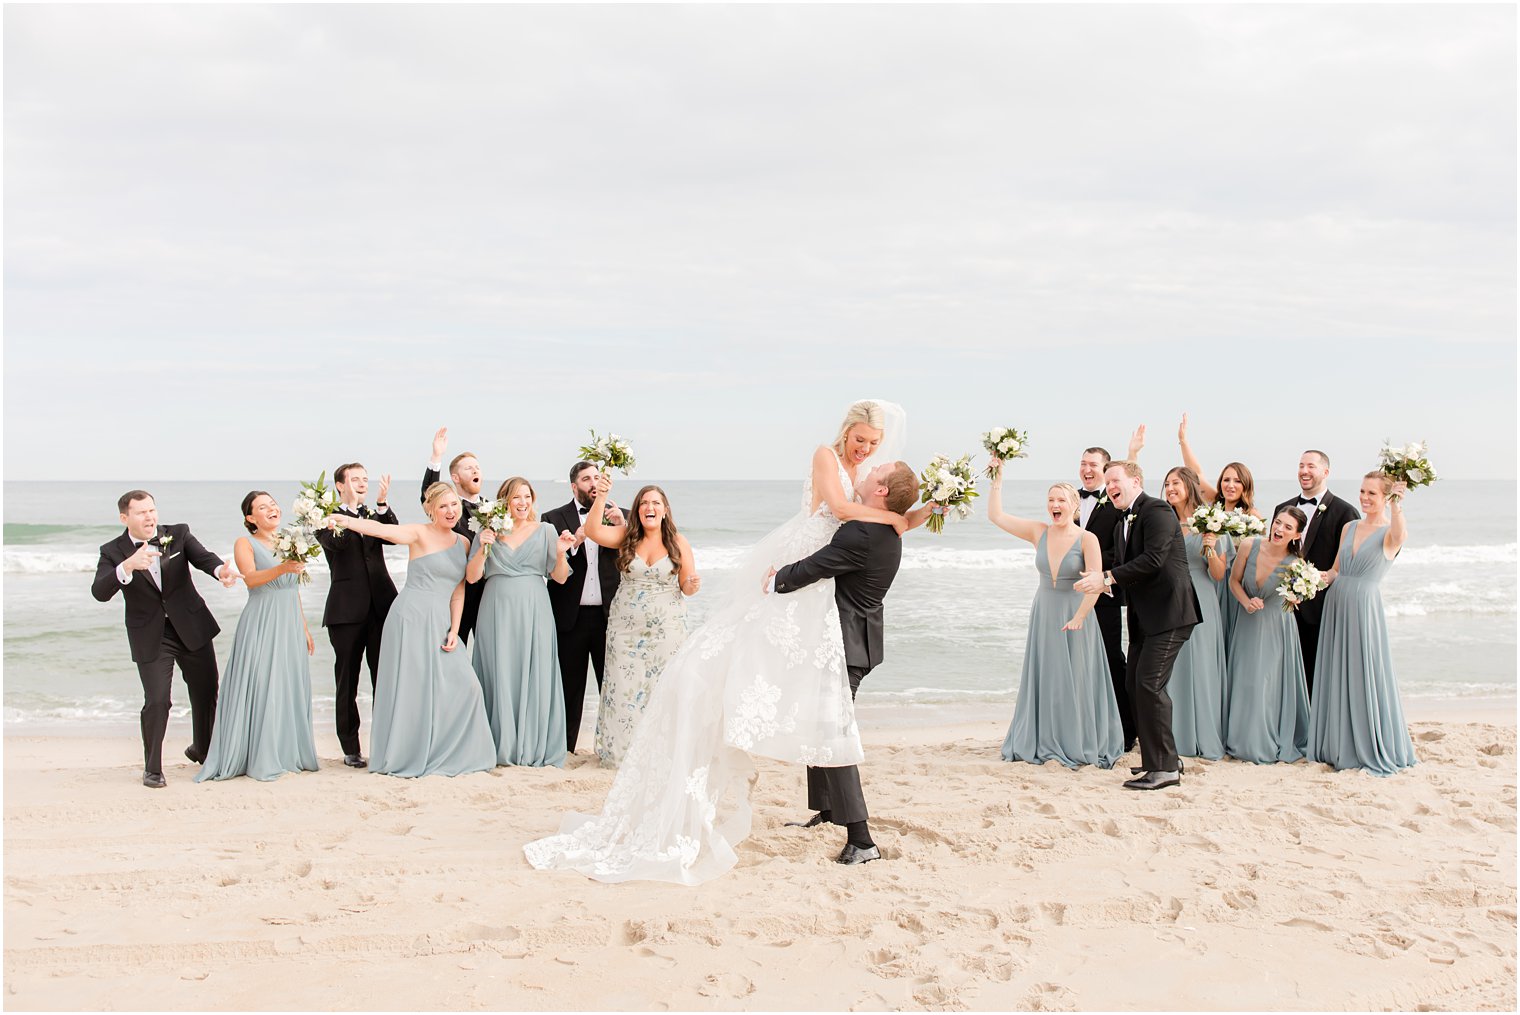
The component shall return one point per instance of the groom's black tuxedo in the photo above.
(1321, 545)
(1103, 523)
(164, 626)
(1152, 567)
(581, 630)
(360, 597)
(862, 558)
(472, 590)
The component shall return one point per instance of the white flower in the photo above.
(1416, 476)
(998, 432)
(1320, 509)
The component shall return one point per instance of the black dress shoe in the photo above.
(154, 780)
(852, 855)
(194, 755)
(355, 761)
(813, 822)
(1140, 769)
(1155, 780)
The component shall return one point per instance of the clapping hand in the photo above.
(613, 515)
(567, 541)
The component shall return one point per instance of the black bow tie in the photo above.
(1090, 493)
(1308, 500)
(582, 510)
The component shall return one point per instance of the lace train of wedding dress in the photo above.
(765, 675)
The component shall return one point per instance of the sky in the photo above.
(258, 241)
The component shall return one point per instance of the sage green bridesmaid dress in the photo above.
(1269, 698)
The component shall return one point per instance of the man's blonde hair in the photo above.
(1131, 468)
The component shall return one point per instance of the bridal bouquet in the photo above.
(314, 503)
(1210, 518)
(1408, 464)
(491, 514)
(297, 542)
(1240, 523)
(951, 486)
(1301, 582)
(1004, 442)
(609, 452)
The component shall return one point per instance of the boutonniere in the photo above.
(1102, 499)
(1129, 517)
(164, 541)
(1320, 510)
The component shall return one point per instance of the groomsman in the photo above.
(580, 604)
(358, 600)
(464, 472)
(1327, 515)
(1101, 518)
(167, 621)
(1152, 569)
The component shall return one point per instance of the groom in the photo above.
(862, 558)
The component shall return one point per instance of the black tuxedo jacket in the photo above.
(1323, 543)
(566, 598)
(1103, 523)
(147, 606)
(431, 476)
(862, 558)
(359, 577)
(1152, 566)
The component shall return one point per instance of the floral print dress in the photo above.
(645, 626)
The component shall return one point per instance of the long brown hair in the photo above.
(505, 491)
(1189, 484)
(1247, 486)
(1296, 546)
(635, 532)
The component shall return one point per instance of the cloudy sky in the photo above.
(256, 241)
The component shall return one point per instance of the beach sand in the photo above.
(1003, 886)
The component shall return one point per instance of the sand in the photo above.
(1003, 886)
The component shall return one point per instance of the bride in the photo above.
(765, 675)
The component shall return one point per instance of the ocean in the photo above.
(956, 617)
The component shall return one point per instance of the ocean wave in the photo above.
(26, 533)
(1498, 553)
(68, 562)
(1445, 597)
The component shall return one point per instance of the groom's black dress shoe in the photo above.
(852, 855)
(194, 755)
(154, 780)
(355, 761)
(813, 822)
(1155, 780)
(1140, 769)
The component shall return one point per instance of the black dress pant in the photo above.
(1110, 622)
(583, 643)
(1150, 668)
(471, 610)
(353, 645)
(198, 666)
(837, 790)
(1308, 643)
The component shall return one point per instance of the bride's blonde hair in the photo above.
(866, 412)
(1070, 493)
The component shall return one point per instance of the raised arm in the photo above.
(1397, 529)
(1136, 442)
(434, 470)
(1189, 459)
(1024, 528)
(477, 565)
(401, 535)
(826, 487)
(599, 532)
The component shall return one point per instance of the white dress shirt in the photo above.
(154, 571)
(591, 590)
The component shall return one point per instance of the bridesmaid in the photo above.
(1197, 686)
(1066, 708)
(515, 645)
(647, 621)
(263, 714)
(1234, 490)
(1357, 720)
(1269, 698)
(429, 718)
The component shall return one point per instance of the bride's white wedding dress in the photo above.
(765, 675)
